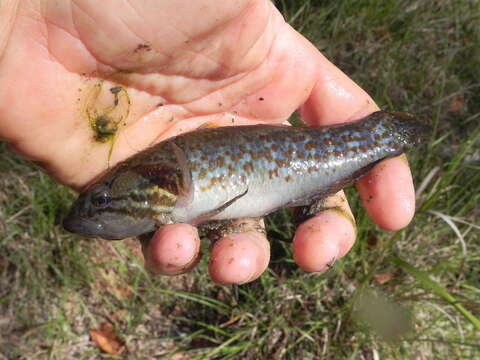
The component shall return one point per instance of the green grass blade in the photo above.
(200, 299)
(439, 290)
(222, 347)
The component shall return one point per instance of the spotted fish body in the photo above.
(237, 172)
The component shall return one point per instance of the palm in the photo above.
(176, 80)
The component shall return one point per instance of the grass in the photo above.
(405, 295)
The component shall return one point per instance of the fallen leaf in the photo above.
(383, 278)
(107, 340)
(457, 103)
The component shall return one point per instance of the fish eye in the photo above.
(100, 199)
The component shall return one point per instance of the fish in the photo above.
(237, 172)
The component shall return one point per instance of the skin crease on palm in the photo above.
(205, 61)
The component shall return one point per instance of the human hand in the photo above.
(182, 64)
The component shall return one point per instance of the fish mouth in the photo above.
(82, 226)
(96, 228)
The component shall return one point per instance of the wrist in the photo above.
(8, 11)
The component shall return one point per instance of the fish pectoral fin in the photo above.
(210, 214)
(186, 193)
(229, 202)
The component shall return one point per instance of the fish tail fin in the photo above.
(406, 128)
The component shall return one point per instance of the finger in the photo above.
(335, 98)
(326, 237)
(241, 257)
(388, 194)
(173, 249)
(387, 191)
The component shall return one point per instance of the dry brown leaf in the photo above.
(383, 278)
(107, 340)
(457, 103)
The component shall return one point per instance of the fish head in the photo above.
(121, 205)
